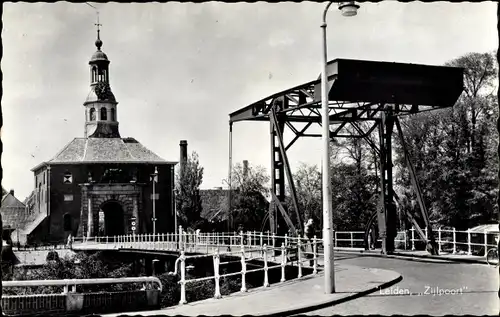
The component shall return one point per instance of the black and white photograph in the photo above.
(263, 159)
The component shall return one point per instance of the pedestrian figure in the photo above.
(309, 235)
(69, 241)
(371, 239)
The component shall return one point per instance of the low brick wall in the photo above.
(57, 304)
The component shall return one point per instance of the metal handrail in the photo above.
(74, 282)
(196, 241)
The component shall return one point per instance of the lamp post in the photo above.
(348, 9)
(154, 179)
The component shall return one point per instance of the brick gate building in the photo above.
(97, 183)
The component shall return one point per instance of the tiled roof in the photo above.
(104, 150)
(13, 211)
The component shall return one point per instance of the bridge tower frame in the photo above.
(373, 93)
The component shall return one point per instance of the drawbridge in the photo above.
(363, 97)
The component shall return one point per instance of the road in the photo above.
(427, 288)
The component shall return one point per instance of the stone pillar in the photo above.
(90, 218)
(135, 213)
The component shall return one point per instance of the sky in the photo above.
(178, 69)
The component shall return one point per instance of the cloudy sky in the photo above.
(178, 70)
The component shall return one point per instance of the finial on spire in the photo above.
(98, 42)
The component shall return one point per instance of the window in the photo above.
(68, 178)
(104, 114)
(67, 222)
(112, 114)
(92, 114)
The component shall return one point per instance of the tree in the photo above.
(187, 193)
(308, 186)
(453, 151)
(248, 201)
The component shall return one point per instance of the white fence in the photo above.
(448, 240)
(288, 255)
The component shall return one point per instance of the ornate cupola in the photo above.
(100, 106)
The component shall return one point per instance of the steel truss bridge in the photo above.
(363, 97)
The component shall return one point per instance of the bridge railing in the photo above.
(70, 285)
(294, 255)
(459, 241)
(448, 240)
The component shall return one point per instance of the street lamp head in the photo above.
(349, 8)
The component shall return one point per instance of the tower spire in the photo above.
(98, 42)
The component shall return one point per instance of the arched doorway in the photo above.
(113, 223)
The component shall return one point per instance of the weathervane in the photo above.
(98, 42)
(98, 24)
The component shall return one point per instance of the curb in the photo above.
(324, 304)
(415, 257)
(434, 257)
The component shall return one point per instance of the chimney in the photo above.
(11, 192)
(245, 169)
(183, 158)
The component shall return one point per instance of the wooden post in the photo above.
(454, 240)
(469, 252)
(299, 260)
(439, 240)
(283, 262)
(485, 243)
(315, 255)
(216, 274)
(266, 278)
(183, 279)
(243, 269)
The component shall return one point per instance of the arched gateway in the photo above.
(108, 208)
(113, 222)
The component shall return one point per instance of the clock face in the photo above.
(101, 90)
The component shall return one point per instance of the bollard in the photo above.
(352, 240)
(266, 278)
(243, 270)
(469, 252)
(315, 256)
(299, 260)
(283, 262)
(216, 274)
(183, 279)
(454, 241)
